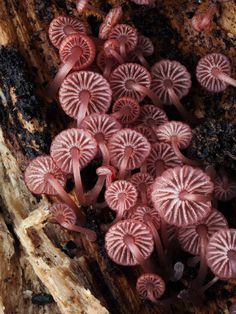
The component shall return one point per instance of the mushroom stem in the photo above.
(146, 91)
(96, 190)
(123, 50)
(65, 197)
(232, 259)
(209, 284)
(77, 176)
(84, 98)
(158, 244)
(108, 68)
(184, 113)
(90, 234)
(192, 261)
(124, 163)
(195, 197)
(142, 60)
(181, 156)
(63, 71)
(116, 56)
(150, 295)
(225, 78)
(202, 231)
(105, 153)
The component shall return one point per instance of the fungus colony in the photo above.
(157, 193)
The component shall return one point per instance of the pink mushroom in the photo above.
(106, 64)
(112, 18)
(202, 22)
(146, 132)
(150, 287)
(42, 176)
(111, 50)
(62, 26)
(225, 188)
(214, 72)
(126, 110)
(195, 238)
(65, 216)
(102, 126)
(83, 5)
(182, 195)
(132, 80)
(143, 49)
(77, 51)
(179, 135)
(150, 217)
(127, 37)
(161, 158)
(171, 81)
(121, 196)
(72, 150)
(83, 93)
(130, 243)
(128, 150)
(142, 181)
(221, 254)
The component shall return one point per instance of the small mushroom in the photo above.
(143, 49)
(83, 5)
(126, 110)
(146, 132)
(111, 49)
(150, 287)
(142, 181)
(225, 187)
(202, 22)
(112, 18)
(106, 64)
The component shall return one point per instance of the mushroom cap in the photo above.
(126, 73)
(58, 29)
(141, 180)
(36, 175)
(121, 196)
(145, 46)
(102, 126)
(106, 171)
(170, 74)
(81, 5)
(166, 195)
(73, 138)
(62, 213)
(189, 237)
(146, 132)
(224, 191)
(181, 131)
(129, 107)
(102, 60)
(84, 81)
(112, 18)
(161, 153)
(125, 34)
(146, 215)
(115, 241)
(150, 281)
(109, 46)
(219, 247)
(128, 139)
(207, 69)
(151, 115)
(86, 54)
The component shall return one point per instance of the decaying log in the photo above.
(86, 282)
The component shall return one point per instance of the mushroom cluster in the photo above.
(163, 200)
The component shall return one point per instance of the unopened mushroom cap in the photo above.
(181, 131)
(69, 139)
(170, 74)
(220, 245)
(166, 195)
(125, 73)
(189, 237)
(81, 82)
(62, 214)
(36, 175)
(121, 195)
(58, 28)
(115, 241)
(153, 282)
(132, 140)
(206, 69)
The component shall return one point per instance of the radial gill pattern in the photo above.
(167, 75)
(129, 109)
(221, 245)
(62, 214)
(125, 34)
(62, 26)
(207, 69)
(128, 230)
(84, 45)
(146, 132)
(189, 238)
(102, 126)
(127, 139)
(151, 115)
(167, 189)
(145, 46)
(65, 141)
(121, 196)
(129, 73)
(76, 84)
(224, 191)
(147, 215)
(141, 180)
(161, 156)
(181, 131)
(37, 172)
(150, 281)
